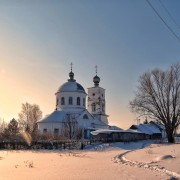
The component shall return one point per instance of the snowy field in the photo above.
(137, 160)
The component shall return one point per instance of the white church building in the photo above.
(71, 101)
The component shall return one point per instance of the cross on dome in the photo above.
(96, 67)
(96, 79)
(71, 66)
(71, 74)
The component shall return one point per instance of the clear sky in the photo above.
(40, 38)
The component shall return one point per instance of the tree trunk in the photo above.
(170, 136)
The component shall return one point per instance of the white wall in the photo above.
(94, 94)
(49, 126)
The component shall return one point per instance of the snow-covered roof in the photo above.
(56, 116)
(71, 86)
(60, 116)
(161, 126)
(91, 122)
(115, 128)
(105, 131)
(133, 131)
(148, 129)
(109, 131)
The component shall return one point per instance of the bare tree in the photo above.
(70, 127)
(158, 96)
(28, 117)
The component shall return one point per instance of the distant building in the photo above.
(71, 109)
(161, 127)
(151, 130)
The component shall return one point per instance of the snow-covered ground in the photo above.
(160, 157)
(100, 161)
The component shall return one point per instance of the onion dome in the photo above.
(96, 80)
(71, 85)
(71, 76)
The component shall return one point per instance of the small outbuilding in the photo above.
(150, 130)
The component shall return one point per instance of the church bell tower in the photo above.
(96, 100)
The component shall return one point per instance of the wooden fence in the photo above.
(49, 145)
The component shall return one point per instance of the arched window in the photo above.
(78, 101)
(93, 107)
(85, 116)
(70, 100)
(83, 101)
(62, 101)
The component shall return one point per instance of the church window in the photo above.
(62, 101)
(56, 131)
(85, 116)
(83, 101)
(70, 100)
(44, 130)
(93, 107)
(78, 101)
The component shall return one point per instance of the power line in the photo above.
(170, 29)
(167, 11)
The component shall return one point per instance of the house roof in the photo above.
(161, 126)
(60, 116)
(147, 129)
(105, 131)
(57, 116)
(115, 128)
(109, 131)
(133, 131)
